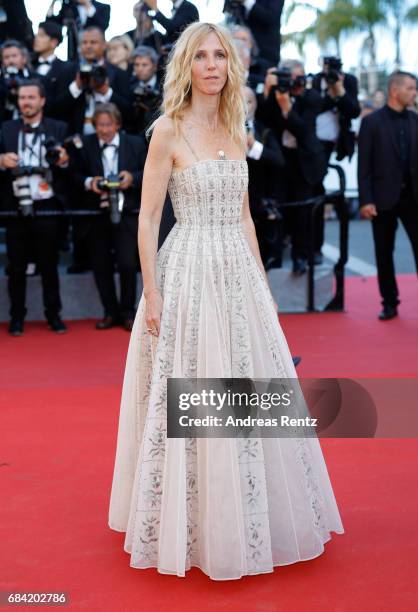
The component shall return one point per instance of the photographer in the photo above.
(31, 185)
(85, 13)
(93, 81)
(183, 14)
(339, 92)
(291, 111)
(14, 71)
(263, 19)
(109, 170)
(145, 88)
(265, 158)
(144, 34)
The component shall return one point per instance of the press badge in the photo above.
(42, 189)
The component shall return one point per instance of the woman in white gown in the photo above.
(231, 507)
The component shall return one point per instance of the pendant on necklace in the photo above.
(221, 154)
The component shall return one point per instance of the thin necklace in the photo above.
(220, 152)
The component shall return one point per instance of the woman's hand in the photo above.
(153, 311)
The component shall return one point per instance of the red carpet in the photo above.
(59, 412)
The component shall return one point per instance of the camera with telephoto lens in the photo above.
(146, 97)
(21, 187)
(13, 79)
(111, 184)
(92, 72)
(52, 147)
(334, 65)
(285, 81)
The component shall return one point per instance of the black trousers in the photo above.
(384, 229)
(40, 237)
(109, 244)
(293, 187)
(319, 222)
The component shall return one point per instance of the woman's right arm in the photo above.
(157, 171)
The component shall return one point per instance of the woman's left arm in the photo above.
(250, 233)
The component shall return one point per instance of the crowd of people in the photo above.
(72, 140)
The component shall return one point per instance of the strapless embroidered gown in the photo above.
(230, 507)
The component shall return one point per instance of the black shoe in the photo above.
(16, 327)
(318, 258)
(107, 323)
(128, 324)
(388, 312)
(56, 324)
(299, 267)
(296, 361)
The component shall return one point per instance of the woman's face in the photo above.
(210, 66)
(117, 53)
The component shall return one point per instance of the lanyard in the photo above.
(110, 166)
(28, 150)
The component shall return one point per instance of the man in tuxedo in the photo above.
(339, 92)
(46, 64)
(265, 158)
(388, 180)
(111, 152)
(87, 13)
(14, 70)
(79, 89)
(145, 88)
(291, 112)
(263, 19)
(183, 14)
(32, 185)
(144, 34)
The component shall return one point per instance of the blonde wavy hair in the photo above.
(178, 80)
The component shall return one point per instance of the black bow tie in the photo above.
(105, 145)
(29, 129)
(45, 61)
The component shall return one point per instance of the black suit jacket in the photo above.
(73, 109)
(18, 26)
(88, 162)
(100, 18)
(186, 14)
(301, 122)
(50, 82)
(9, 143)
(380, 173)
(264, 22)
(263, 172)
(348, 107)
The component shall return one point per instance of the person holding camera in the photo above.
(90, 82)
(144, 33)
(14, 71)
(145, 88)
(109, 170)
(32, 185)
(85, 13)
(291, 109)
(183, 13)
(388, 180)
(339, 92)
(262, 17)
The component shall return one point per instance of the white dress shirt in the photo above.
(84, 13)
(110, 159)
(45, 64)
(33, 154)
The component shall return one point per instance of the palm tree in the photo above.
(401, 15)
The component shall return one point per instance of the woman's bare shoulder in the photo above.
(164, 127)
